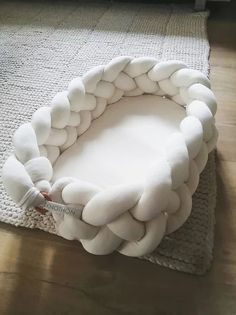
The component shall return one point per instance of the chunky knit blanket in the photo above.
(43, 46)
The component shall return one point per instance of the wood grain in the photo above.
(43, 274)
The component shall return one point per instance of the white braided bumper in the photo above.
(129, 218)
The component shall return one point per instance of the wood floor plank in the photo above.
(223, 84)
(226, 146)
(223, 56)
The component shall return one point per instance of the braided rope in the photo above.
(129, 218)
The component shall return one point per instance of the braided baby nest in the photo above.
(130, 218)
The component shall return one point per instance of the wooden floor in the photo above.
(43, 274)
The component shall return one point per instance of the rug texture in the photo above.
(43, 45)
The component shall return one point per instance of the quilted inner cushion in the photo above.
(129, 135)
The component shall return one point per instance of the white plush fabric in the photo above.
(131, 217)
(120, 146)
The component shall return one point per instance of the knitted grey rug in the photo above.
(43, 45)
